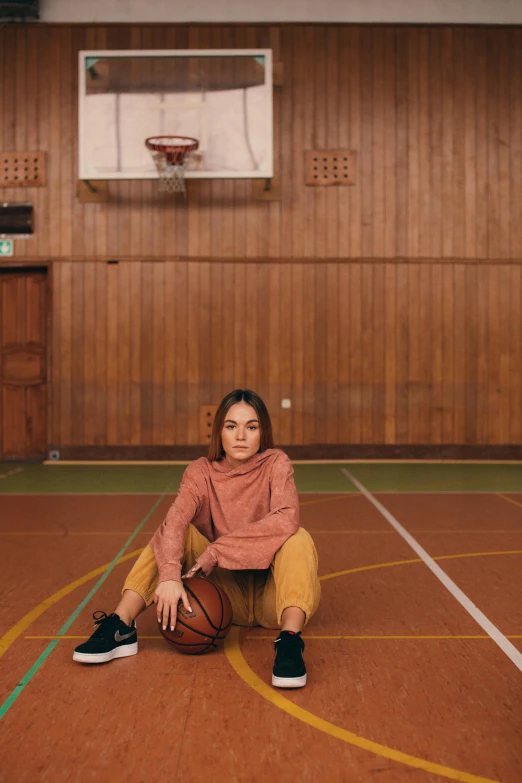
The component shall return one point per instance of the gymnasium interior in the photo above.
(321, 202)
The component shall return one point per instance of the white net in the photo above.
(172, 175)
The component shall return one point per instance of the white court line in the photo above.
(12, 472)
(505, 645)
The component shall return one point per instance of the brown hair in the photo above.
(216, 450)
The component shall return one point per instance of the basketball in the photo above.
(198, 631)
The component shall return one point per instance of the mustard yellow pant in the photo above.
(258, 597)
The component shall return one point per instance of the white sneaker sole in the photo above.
(289, 682)
(119, 652)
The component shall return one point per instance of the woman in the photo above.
(236, 520)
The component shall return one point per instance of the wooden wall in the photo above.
(408, 353)
(390, 312)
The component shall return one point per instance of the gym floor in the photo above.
(403, 683)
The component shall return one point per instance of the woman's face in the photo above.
(241, 433)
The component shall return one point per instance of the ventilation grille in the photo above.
(25, 169)
(330, 167)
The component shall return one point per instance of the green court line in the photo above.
(65, 627)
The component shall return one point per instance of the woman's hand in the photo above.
(195, 568)
(167, 597)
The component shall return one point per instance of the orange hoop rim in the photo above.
(172, 145)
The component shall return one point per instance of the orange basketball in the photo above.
(198, 631)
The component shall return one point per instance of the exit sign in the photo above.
(6, 247)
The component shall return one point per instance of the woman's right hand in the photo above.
(167, 597)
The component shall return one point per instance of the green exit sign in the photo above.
(6, 247)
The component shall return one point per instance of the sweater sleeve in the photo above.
(168, 541)
(254, 545)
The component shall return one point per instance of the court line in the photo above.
(283, 703)
(58, 534)
(375, 566)
(50, 647)
(329, 500)
(95, 494)
(498, 637)
(509, 500)
(241, 667)
(351, 638)
(158, 638)
(300, 492)
(12, 472)
(322, 462)
(17, 630)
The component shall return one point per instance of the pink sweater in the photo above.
(247, 513)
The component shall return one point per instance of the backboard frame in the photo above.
(85, 173)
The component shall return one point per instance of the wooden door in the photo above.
(23, 364)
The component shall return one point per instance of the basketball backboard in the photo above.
(221, 97)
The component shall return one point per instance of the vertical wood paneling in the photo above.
(100, 356)
(435, 92)
(354, 304)
(448, 113)
(112, 411)
(459, 356)
(515, 354)
(367, 352)
(77, 381)
(448, 353)
(123, 347)
(482, 424)
(459, 145)
(136, 315)
(158, 352)
(436, 353)
(401, 135)
(284, 352)
(333, 339)
(299, 347)
(515, 103)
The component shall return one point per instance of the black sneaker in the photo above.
(111, 639)
(289, 666)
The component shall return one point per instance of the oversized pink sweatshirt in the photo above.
(247, 513)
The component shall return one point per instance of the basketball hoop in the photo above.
(171, 155)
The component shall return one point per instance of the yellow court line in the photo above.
(60, 534)
(442, 531)
(156, 637)
(346, 637)
(351, 638)
(509, 500)
(415, 560)
(237, 661)
(439, 530)
(7, 640)
(149, 533)
(328, 500)
(241, 667)
(17, 630)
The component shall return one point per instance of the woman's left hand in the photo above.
(195, 568)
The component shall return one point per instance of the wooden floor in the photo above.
(403, 685)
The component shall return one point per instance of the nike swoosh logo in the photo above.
(119, 638)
